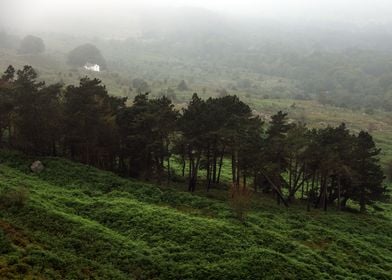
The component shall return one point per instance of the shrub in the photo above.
(182, 86)
(87, 53)
(14, 197)
(32, 45)
(5, 244)
(240, 199)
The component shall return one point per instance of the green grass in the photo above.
(82, 223)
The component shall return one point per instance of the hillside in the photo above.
(82, 223)
(317, 115)
(265, 94)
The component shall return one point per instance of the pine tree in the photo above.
(369, 178)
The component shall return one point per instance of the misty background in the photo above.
(356, 24)
(337, 52)
(126, 17)
(300, 56)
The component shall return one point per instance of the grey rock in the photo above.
(37, 167)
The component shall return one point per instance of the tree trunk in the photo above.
(238, 171)
(278, 192)
(233, 168)
(220, 165)
(339, 194)
(302, 186)
(214, 156)
(208, 169)
(325, 195)
(168, 170)
(344, 203)
(290, 174)
(190, 172)
(195, 172)
(255, 182)
(362, 203)
(183, 165)
(310, 195)
(54, 150)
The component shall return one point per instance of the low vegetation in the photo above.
(83, 223)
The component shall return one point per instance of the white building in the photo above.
(92, 67)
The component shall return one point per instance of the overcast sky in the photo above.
(32, 13)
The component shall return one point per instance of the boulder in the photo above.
(37, 166)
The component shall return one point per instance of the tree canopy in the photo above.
(87, 53)
(31, 45)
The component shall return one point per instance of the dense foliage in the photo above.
(324, 166)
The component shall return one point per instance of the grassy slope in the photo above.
(84, 223)
(317, 115)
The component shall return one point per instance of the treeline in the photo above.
(322, 166)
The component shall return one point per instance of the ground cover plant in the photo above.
(80, 223)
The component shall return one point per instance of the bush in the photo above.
(140, 85)
(87, 53)
(240, 199)
(5, 244)
(14, 197)
(32, 45)
(182, 86)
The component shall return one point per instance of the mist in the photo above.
(118, 18)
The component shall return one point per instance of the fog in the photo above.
(123, 18)
(282, 48)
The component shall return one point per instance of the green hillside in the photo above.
(76, 222)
